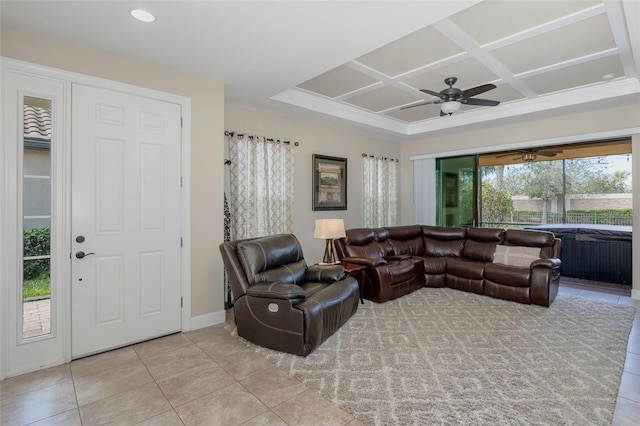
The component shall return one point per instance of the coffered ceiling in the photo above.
(541, 55)
(359, 63)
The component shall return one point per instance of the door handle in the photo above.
(82, 255)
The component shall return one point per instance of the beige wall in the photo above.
(207, 103)
(314, 139)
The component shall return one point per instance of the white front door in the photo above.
(126, 241)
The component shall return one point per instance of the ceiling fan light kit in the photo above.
(450, 107)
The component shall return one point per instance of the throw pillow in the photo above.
(516, 255)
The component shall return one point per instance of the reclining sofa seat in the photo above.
(441, 244)
(404, 243)
(467, 272)
(538, 283)
(280, 302)
(388, 276)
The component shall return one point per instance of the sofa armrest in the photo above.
(398, 257)
(551, 263)
(325, 273)
(366, 261)
(276, 290)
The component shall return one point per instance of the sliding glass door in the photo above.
(457, 191)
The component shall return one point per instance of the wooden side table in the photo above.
(359, 272)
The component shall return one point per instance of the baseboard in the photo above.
(34, 367)
(206, 320)
(635, 294)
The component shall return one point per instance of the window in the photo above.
(36, 218)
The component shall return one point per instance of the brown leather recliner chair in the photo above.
(280, 302)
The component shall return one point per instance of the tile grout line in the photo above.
(160, 389)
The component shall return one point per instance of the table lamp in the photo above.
(329, 229)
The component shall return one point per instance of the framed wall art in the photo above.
(329, 183)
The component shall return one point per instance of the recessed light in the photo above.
(608, 77)
(142, 15)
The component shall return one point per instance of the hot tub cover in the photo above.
(585, 232)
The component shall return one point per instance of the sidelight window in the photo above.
(36, 218)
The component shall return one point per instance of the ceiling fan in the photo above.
(452, 98)
(531, 154)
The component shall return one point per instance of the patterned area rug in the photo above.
(442, 356)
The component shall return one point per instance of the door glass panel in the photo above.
(36, 218)
(456, 193)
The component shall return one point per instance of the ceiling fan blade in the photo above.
(477, 90)
(482, 102)
(548, 153)
(507, 154)
(420, 104)
(431, 92)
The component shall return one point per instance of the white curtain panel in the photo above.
(261, 181)
(380, 191)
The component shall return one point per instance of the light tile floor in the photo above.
(628, 404)
(206, 377)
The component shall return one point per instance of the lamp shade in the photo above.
(329, 229)
(450, 107)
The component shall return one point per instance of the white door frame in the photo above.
(7, 245)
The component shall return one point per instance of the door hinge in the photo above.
(181, 122)
(180, 181)
(180, 241)
(181, 302)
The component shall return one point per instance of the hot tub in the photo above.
(594, 252)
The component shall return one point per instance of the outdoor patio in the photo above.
(36, 316)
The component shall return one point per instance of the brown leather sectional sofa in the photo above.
(522, 266)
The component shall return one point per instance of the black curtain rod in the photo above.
(232, 133)
(384, 158)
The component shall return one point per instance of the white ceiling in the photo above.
(357, 63)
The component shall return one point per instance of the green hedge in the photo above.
(608, 211)
(37, 242)
(624, 212)
(600, 217)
